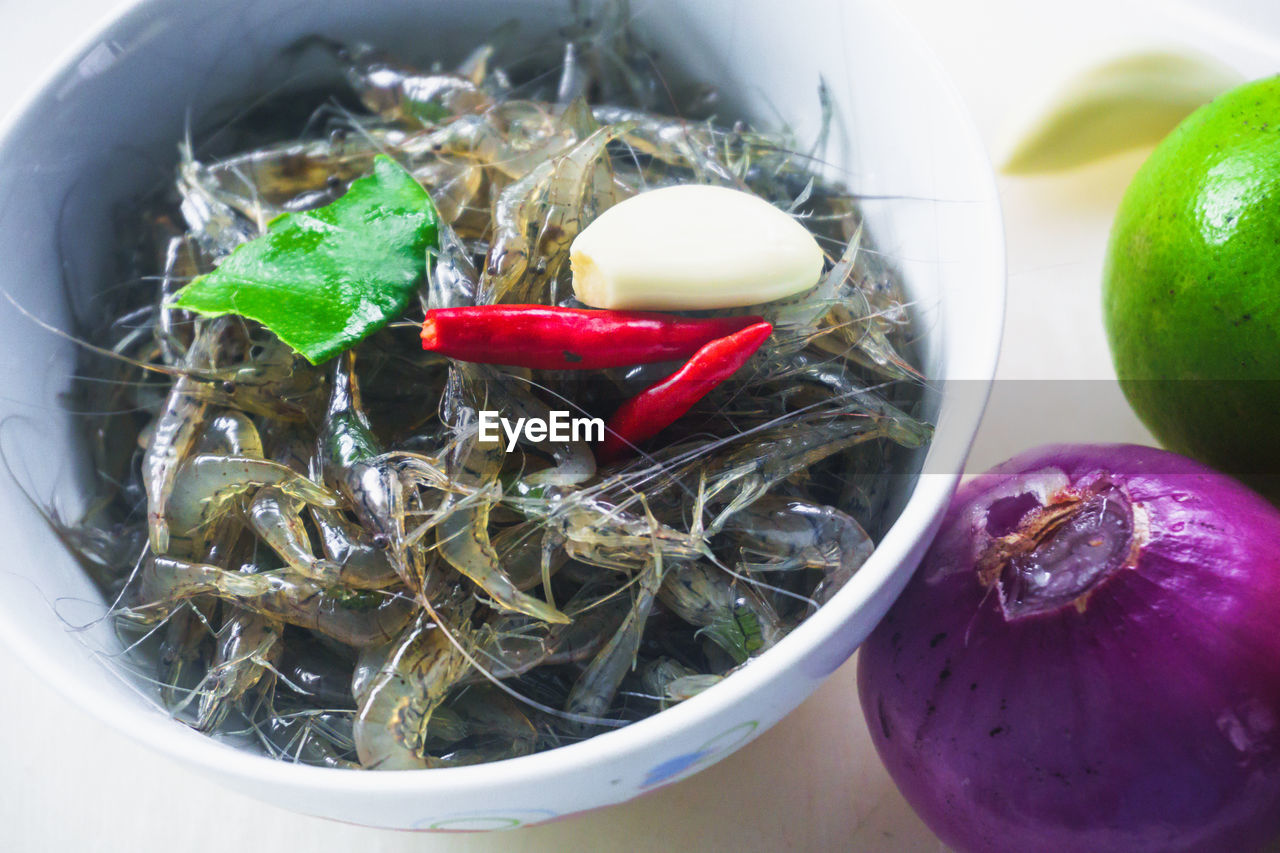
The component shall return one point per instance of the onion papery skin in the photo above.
(1142, 715)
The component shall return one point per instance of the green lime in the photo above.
(1191, 286)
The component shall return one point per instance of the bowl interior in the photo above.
(105, 127)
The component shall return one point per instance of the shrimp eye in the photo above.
(381, 541)
(228, 387)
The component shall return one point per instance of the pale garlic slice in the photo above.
(692, 247)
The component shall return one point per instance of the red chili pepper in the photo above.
(548, 338)
(663, 403)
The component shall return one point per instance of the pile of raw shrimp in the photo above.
(326, 563)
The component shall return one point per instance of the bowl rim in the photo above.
(152, 728)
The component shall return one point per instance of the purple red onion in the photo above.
(1088, 659)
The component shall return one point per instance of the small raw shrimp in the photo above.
(396, 704)
(355, 617)
(400, 93)
(673, 141)
(271, 363)
(451, 277)
(181, 264)
(266, 181)
(529, 126)
(510, 644)
(462, 535)
(782, 534)
(185, 647)
(593, 692)
(215, 225)
(680, 689)
(860, 334)
(775, 454)
(508, 142)
(536, 218)
(276, 517)
(804, 309)
(274, 383)
(732, 616)
(361, 563)
(349, 459)
(247, 645)
(526, 555)
(863, 338)
(598, 530)
(869, 317)
(472, 138)
(207, 486)
(374, 483)
(600, 533)
(273, 513)
(174, 434)
(656, 674)
(453, 186)
(670, 681)
(184, 652)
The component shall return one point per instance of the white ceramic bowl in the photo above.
(106, 124)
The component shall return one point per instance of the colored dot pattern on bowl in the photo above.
(680, 765)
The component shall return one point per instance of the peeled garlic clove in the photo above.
(691, 247)
(1126, 102)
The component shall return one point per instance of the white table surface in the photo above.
(813, 782)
